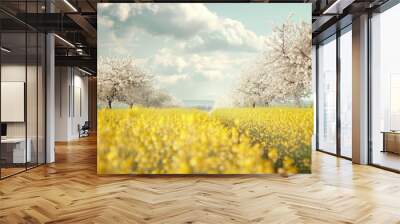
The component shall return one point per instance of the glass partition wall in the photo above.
(22, 107)
(334, 84)
(346, 74)
(385, 89)
(327, 95)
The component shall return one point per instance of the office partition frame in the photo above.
(387, 5)
(43, 55)
(339, 32)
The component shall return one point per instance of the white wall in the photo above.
(70, 83)
(79, 117)
(10, 73)
(33, 126)
(16, 73)
(62, 82)
(314, 92)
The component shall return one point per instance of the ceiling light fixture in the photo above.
(64, 40)
(79, 51)
(70, 5)
(84, 71)
(5, 50)
(338, 6)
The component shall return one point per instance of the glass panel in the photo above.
(31, 98)
(327, 96)
(314, 90)
(32, 88)
(77, 110)
(41, 99)
(13, 86)
(9, 24)
(346, 94)
(23, 90)
(386, 89)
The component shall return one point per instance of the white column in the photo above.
(50, 99)
(360, 90)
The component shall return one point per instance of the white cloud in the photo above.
(171, 79)
(123, 12)
(211, 66)
(195, 24)
(103, 5)
(190, 50)
(105, 21)
(213, 74)
(166, 59)
(230, 35)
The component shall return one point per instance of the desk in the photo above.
(15, 148)
(391, 141)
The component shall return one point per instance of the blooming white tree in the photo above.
(115, 76)
(257, 86)
(160, 98)
(288, 56)
(121, 80)
(283, 74)
(136, 95)
(149, 96)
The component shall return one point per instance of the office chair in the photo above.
(84, 130)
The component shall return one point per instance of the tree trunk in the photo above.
(298, 101)
(109, 104)
(254, 104)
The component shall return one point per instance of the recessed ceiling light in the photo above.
(5, 50)
(70, 5)
(86, 72)
(64, 40)
(338, 6)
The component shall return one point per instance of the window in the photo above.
(327, 95)
(22, 77)
(346, 92)
(385, 89)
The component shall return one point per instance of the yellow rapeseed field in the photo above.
(225, 141)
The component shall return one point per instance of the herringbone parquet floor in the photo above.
(69, 191)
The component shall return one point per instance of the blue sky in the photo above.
(261, 19)
(195, 51)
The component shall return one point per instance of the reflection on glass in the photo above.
(394, 102)
(327, 96)
(22, 90)
(346, 94)
(31, 100)
(14, 153)
(41, 98)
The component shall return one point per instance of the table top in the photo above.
(391, 132)
(13, 140)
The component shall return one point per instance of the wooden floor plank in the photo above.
(70, 191)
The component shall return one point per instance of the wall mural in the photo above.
(196, 88)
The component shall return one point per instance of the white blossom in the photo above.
(283, 74)
(120, 80)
